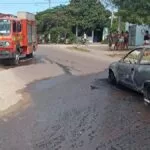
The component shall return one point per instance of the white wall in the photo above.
(89, 38)
(105, 33)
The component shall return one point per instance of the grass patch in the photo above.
(78, 49)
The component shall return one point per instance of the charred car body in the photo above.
(133, 71)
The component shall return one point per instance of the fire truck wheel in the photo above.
(31, 55)
(6, 62)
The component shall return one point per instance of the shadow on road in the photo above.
(24, 62)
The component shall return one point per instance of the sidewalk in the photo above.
(97, 51)
(102, 52)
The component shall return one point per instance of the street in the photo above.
(61, 100)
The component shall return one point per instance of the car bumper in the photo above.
(6, 54)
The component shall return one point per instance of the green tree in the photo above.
(134, 11)
(87, 14)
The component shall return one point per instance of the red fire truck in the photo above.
(17, 37)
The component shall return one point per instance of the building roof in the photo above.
(6, 15)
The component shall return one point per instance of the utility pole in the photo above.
(119, 23)
(112, 18)
(49, 3)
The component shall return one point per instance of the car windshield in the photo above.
(133, 57)
(5, 27)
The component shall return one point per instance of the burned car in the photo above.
(133, 71)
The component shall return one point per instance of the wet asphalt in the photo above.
(77, 110)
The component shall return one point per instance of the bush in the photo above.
(105, 41)
(71, 38)
(59, 35)
(62, 35)
(54, 35)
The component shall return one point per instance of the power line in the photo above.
(43, 3)
(22, 3)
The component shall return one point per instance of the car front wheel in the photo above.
(111, 77)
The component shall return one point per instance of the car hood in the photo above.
(113, 65)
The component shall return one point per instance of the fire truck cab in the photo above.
(17, 36)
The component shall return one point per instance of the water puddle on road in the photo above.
(38, 59)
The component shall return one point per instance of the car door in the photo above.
(142, 74)
(128, 66)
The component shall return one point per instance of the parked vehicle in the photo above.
(17, 36)
(133, 71)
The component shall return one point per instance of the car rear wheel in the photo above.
(111, 77)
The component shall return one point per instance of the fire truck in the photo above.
(18, 37)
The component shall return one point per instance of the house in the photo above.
(93, 36)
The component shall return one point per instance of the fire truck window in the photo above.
(14, 26)
(18, 27)
(29, 33)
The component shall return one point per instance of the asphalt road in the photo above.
(75, 109)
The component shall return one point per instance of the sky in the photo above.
(33, 6)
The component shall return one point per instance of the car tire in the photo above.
(147, 93)
(111, 77)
